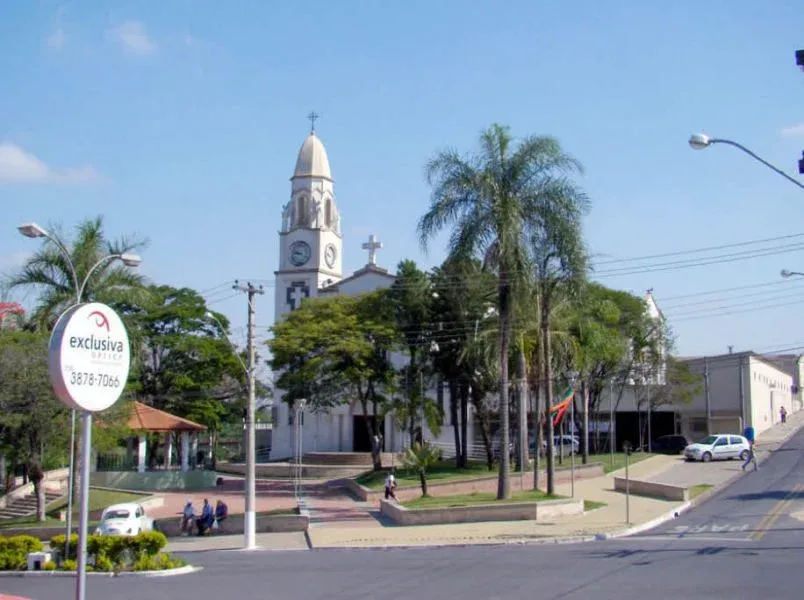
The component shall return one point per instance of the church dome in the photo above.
(312, 161)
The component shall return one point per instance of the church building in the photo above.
(311, 249)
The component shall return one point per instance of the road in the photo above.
(746, 542)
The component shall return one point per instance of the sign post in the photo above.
(88, 361)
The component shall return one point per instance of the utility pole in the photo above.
(706, 393)
(250, 517)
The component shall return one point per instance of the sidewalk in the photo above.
(338, 521)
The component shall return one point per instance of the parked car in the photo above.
(669, 444)
(569, 443)
(718, 447)
(124, 519)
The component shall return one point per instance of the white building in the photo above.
(310, 265)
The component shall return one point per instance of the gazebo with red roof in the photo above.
(144, 418)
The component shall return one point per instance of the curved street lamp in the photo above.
(33, 230)
(699, 141)
(788, 274)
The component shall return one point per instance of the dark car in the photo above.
(669, 444)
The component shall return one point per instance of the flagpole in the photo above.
(572, 444)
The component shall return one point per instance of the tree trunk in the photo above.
(537, 438)
(522, 406)
(504, 480)
(482, 417)
(464, 425)
(423, 481)
(453, 415)
(37, 476)
(547, 378)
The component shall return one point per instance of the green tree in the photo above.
(498, 203)
(47, 272)
(31, 418)
(411, 298)
(463, 317)
(419, 458)
(184, 364)
(334, 351)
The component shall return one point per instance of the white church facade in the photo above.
(311, 265)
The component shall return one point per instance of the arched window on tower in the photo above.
(303, 219)
(293, 215)
(328, 213)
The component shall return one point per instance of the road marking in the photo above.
(675, 538)
(684, 530)
(767, 522)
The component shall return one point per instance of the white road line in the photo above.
(686, 538)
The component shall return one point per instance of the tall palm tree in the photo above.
(559, 260)
(48, 272)
(495, 200)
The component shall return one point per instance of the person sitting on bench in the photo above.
(204, 522)
(221, 511)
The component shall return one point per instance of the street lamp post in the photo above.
(699, 141)
(788, 274)
(32, 230)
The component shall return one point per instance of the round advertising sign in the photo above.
(89, 357)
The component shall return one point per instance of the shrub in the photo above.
(146, 563)
(147, 543)
(14, 551)
(102, 563)
(49, 566)
(69, 565)
(57, 545)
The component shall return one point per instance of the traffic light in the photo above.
(800, 58)
(801, 164)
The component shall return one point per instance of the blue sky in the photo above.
(181, 121)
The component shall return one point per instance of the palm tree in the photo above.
(495, 201)
(559, 260)
(48, 272)
(419, 458)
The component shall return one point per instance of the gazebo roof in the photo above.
(147, 418)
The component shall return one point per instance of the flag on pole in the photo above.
(560, 409)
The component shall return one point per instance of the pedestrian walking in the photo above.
(751, 457)
(390, 485)
(783, 414)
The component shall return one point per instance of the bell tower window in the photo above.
(328, 213)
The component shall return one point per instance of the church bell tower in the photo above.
(310, 241)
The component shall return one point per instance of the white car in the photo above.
(124, 519)
(718, 447)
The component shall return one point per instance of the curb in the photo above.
(186, 570)
(660, 520)
(483, 544)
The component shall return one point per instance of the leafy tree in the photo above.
(184, 364)
(462, 311)
(558, 257)
(335, 351)
(411, 298)
(48, 273)
(500, 202)
(419, 458)
(31, 418)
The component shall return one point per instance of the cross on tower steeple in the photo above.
(313, 116)
(372, 246)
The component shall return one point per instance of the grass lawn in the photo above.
(98, 500)
(610, 465)
(474, 498)
(699, 489)
(443, 471)
(592, 505)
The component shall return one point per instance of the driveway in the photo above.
(687, 474)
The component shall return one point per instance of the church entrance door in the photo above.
(361, 438)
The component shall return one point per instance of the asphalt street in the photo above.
(745, 542)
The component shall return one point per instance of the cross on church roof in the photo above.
(372, 246)
(313, 116)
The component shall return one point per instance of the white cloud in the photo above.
(57, 39)
(17, 165)
(132, 37)
(794, 130)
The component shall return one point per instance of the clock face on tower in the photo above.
(330, 254)
(299, 253)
